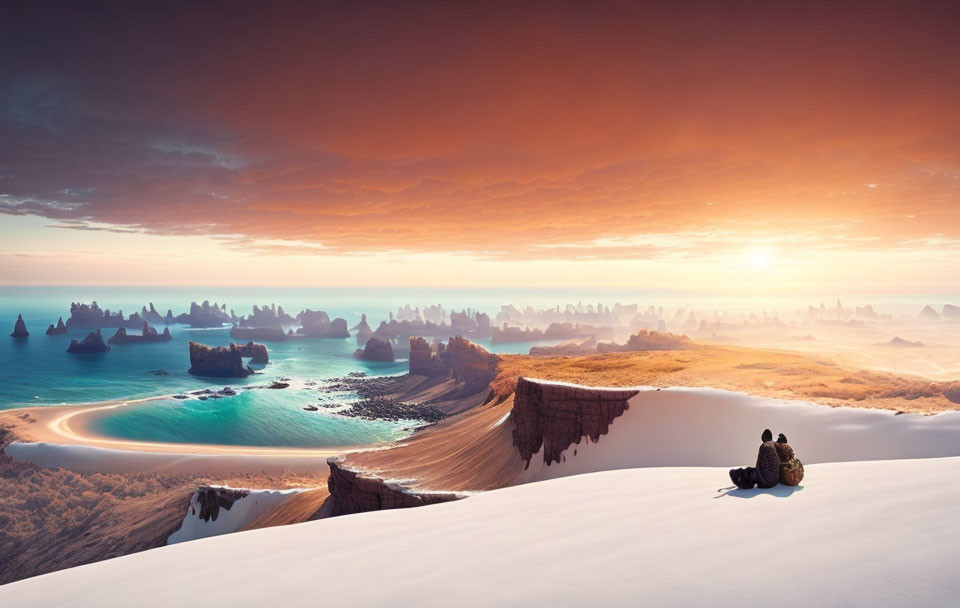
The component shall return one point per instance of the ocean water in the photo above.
(38, 371)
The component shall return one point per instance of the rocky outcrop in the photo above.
(257, 352)
(210, 500)
(376, 349)
(568, 348)
(264, 334)
(148, 334)
(203, 315)
(92, 344)
(471, 365)
(151, 315)
(364, 332)
(313, 323)
(950, 311)
(217, 362)
(338, 329)
(91, 316)
(929, 313)
(554, 416)
(351, 492)
(647, 340)
(506, 334)
(19, 328)
(59, 328)
(424, 362)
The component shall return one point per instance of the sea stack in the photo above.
(59, 328)
(257, 352)
(364, 332)
(92, 344)
(218, 362)
(376, 349)
(20, 328)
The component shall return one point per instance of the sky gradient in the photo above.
(762, 145)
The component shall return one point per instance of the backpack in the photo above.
(791, 472)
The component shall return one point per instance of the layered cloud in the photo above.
(533, 132)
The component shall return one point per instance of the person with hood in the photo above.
(767, 472)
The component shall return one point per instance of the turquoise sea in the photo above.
(38, 371)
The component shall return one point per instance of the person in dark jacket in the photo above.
(767, 472)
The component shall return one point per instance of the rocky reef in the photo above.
(423, 361)
(376, 349)
(257, 352)
(351, 492)
(59, 328)
(554, 416)
(217, 362)
(19, 328)
(149, 334)
(93, 343)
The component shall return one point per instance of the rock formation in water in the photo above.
(506, 334)
(553, 416)
(647, 340)
(91, 316)
(218, 362)
(261, 334)
(376, 349)
(60, 328)
(257, 352)
(151, 315)
(93, 343)
(423, 361)
(929, 313)
(338, 329)
(364, 332)
(471, 365)
(19, 328)
(350, 492)
(203, 315)
(313, 323)
(148, 334)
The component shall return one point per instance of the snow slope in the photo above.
(709, 427)
(855, 533)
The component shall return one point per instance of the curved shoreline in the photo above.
(69, 425)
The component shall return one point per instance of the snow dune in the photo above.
(708, 427)
(856, 533)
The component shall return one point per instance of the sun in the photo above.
(760, 258)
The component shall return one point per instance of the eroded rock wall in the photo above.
(350, 492)
(555, 416)
(470, 364)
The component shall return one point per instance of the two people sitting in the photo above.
(776, 463)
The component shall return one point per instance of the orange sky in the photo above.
(804, 145)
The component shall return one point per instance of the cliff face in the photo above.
(217, 362)
(470, 364)
(93, 343)
(555, 416)
(352, 493)
(19, 328)
(424, 362)
(376, 349)
(257, 352)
